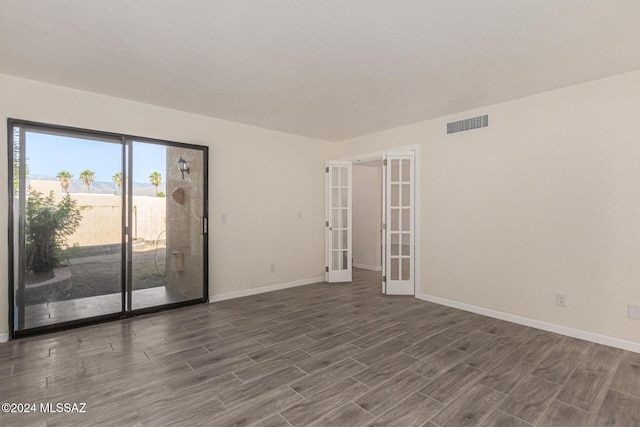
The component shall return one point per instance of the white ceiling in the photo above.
(328, 69)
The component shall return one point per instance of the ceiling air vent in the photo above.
(468, 124)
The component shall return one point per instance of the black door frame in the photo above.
(127, 143)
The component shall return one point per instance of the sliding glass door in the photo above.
(102, 226)
(167, 224)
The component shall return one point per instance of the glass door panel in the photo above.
(338, 223)
(166, 224)
(398, 216)
(67, 237)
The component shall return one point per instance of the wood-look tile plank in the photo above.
(314, 348)
(415, 410)
(561, 414)
(286, 346)
(535, 349)
(347, 415)
(430, 345)
(619, 409)
(516, 335)
(440, 361)
(588, 384)
(286, 334)
(201, 380)
(311, 384)
(381, 351)
(473, 341)
(223, 366)
(322, 360)
(273, 421)
(247, 392)
(557, 366)
(530, 399)
(446, 385)
(499, 418)
(270, 366)
(225, 354)
(506, 375)
(259, 409)
(315, 407)
(470, 409)
(380, 336)
(417, 334)
(383, 397)
(627, 377)
(373, 326)
(181, 410)
(385, 369)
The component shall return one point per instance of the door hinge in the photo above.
(326, 169)
(326, 268)
(384, 279)
(384, 225)
(384, 162)
(204, 225)
(326, 223)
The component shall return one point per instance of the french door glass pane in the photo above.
(406, 195)
(395, 267)
(395, 170)
(395, 195)
(406, 170)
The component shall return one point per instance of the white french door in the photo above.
(338, 222)
(398, 219)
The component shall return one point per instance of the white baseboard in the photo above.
(263, 289)
(4, 337)
(367, 267)
(538, 324)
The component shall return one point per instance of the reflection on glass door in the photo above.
(102, 225)
(67, 227)
(166, 224)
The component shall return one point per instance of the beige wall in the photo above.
(102, 216)
(367, 216)
(259, 178)
(546, 200)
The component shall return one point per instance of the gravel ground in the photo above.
(100, 275)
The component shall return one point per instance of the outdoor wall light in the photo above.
(184, 166)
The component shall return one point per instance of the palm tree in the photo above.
(156, 179)
(88, 177)
(65, 180)
(117, 178)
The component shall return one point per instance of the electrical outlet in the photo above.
(561, 300)
(633, 311)
(272, 268)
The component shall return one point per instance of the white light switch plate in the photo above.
(634, 312)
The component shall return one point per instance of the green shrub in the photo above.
(48, 225)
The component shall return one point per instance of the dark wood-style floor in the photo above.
(324, 354)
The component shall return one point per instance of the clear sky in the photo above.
(50, 154)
